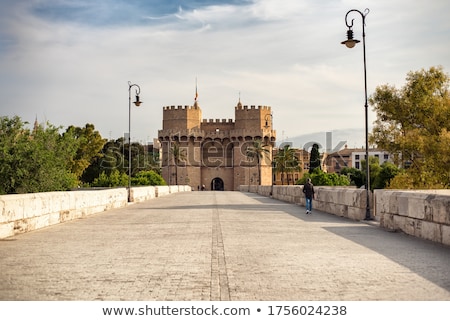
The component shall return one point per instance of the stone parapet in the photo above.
(162, 190)
(20, 213)
(341, 201)
(144, 193)
(421, 213)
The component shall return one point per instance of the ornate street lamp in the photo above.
(350, 43)
(137, 103)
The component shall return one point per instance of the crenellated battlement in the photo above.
(217, 121)
(182, 117)
(252, 107)
(180, 107)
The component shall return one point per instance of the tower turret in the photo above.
(251, 117)
(182, 117)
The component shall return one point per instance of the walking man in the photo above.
(308, 189)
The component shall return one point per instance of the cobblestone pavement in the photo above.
(220, 246)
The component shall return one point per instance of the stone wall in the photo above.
(20, 213)
(342, 201)
(421, 213)
(142, 193)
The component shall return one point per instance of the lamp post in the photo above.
(350, 43)
(137, 103)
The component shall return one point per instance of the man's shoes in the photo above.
(308, 212)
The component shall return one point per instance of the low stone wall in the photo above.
(140, 194)
(421, 213)
(20, 213)
(162, 190)
(342, 201)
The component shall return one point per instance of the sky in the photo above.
(68, 62)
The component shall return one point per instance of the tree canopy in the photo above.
(36, 160)
(314, 160)
(42, 159)
(413, 124)
(320, 178)
(110, 166)
(89, 144)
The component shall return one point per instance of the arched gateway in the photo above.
(215, 149)
(217, 184)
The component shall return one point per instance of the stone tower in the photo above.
(213, 152)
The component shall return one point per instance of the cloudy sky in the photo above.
(69, 61)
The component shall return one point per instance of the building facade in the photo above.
(212, 153)
(349, 157)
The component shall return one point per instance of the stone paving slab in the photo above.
(220, 246)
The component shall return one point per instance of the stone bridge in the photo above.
(178, 245)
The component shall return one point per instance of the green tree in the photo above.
(320, 178)
(13, 145)
(148, 178)
(374, 170)
(89, 143)
(413, 124)
(114, 156)
(338, 179)
(387, 172)
(257, 151)
(286, 161)
(355, 176)
(314, 159)
(34, 161)
(112, 179)
(401, 181)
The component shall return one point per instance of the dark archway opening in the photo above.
(217, 184)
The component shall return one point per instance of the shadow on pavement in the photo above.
(422, 257)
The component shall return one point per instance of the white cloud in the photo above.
(284, 54)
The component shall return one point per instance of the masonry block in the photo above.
(441, 209)
(162, 190)
(403, 204)
(387, 221)
(431, 231)
(62, 216)
(416, 205)
(402, 223)
(139, 194)
(357, 199)
(12, 208)
(356, 213)
(445, 234)
(6, 229)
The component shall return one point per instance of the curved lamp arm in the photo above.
(350, 42)
(138, 91)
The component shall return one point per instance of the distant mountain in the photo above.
(327, 141)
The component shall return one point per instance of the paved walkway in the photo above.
(220, 246)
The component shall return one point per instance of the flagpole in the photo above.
(196, 92)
